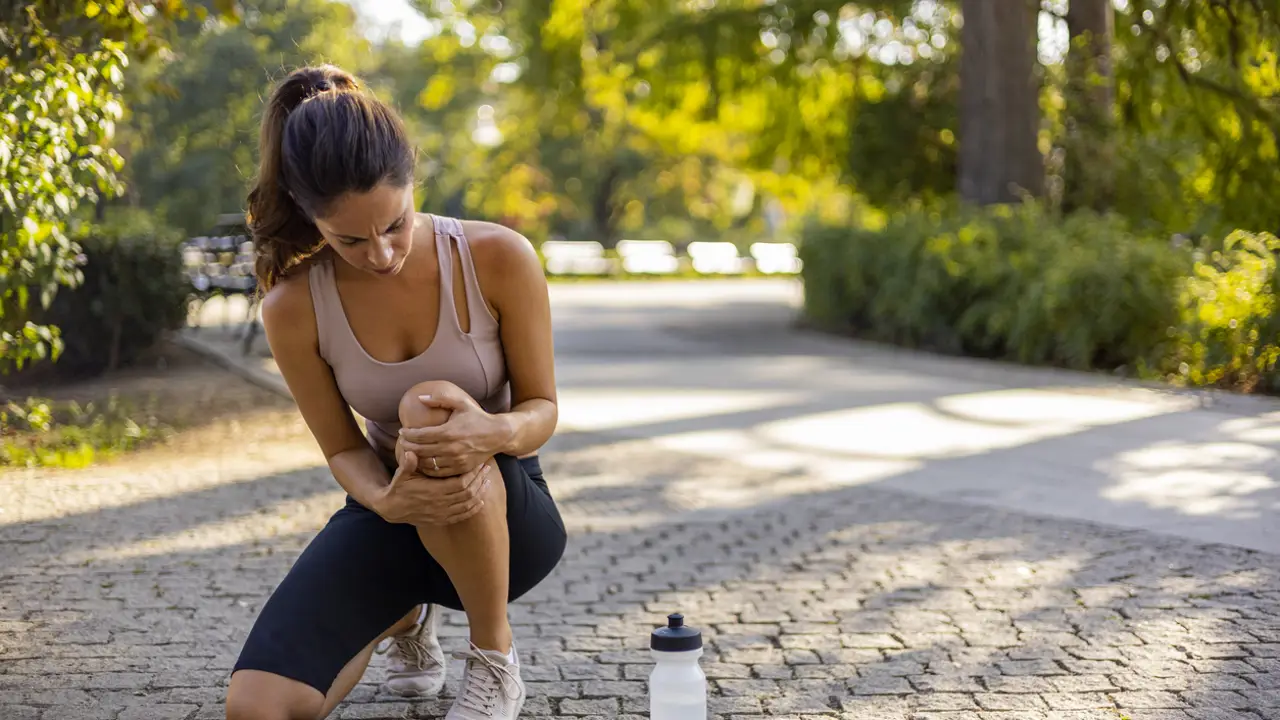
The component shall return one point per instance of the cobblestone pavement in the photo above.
(125, 596)
(791, 495)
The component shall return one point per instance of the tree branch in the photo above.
(1246, 103)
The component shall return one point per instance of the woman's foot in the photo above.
(415, 661)
(491, 686)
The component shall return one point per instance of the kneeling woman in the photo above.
(438, 332)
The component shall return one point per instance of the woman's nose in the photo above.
(381, 254)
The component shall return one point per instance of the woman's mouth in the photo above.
(388, 271)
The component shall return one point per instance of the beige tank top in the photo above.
(473, 360)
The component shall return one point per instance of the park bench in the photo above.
(716, 258)
(648, 257)
(776, 258)
(221, 266)
(571, 257)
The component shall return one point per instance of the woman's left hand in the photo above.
(462, 444)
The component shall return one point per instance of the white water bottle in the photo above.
(677, 685)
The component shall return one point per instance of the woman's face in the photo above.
(373, 230)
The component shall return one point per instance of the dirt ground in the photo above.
(210, 410)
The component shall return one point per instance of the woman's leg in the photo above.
(351, 674)
(260, 695)
(475, 553)
(356, 582)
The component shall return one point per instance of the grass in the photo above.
(157, 402)
(40, 432)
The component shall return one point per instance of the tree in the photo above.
(1000, 159)
(191, 131)
(1089, 172)
(61, 75)
(1198, 96)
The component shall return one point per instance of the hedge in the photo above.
(1084, 292)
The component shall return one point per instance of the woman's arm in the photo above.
(515, 286)
(515, 290)
(289, 321)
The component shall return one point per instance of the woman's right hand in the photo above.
(416, 499)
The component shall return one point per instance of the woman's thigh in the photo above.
(536, 532)
(361, 574)
(355, 579)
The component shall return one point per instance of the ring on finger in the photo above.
(434, 464)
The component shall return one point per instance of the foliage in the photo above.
(1010, 283)
(1229, 334)
(39, 432)
(61, 74)
(1198, 85)
(57, 113)
(191, 134)
(134, 290)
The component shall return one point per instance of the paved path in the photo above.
(861, 533)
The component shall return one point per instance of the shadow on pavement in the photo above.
(859, 600)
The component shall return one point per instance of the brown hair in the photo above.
(321, 137)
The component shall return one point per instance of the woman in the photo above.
(438, 333)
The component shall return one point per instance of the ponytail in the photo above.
(320, 138)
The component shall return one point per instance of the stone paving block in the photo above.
(601, 707)
(1148, 700)
(1077, 701)
(379, 711)
(163, 711)
(1220, 714)
(850, 604)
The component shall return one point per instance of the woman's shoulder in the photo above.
(497, 247)
(287, 309)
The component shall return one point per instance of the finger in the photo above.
(444, 401)
(466, 487)
(476, 477)
(408, 464)
(442, 467)
(426, 435)
(466, 513)
(420, 449)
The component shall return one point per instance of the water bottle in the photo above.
(677, 685)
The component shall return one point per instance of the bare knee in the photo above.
(257, 695)
(415, 413)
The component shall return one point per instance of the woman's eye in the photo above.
(395, 228)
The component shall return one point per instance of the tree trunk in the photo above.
(603, 215)
(1088, 171)
(1000, 158)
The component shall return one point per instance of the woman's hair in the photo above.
(321, 137)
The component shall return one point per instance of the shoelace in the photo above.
(410, 648)
(480, 689)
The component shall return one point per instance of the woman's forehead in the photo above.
(355, 213)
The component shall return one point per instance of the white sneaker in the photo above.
(415, 661)
(491, 687)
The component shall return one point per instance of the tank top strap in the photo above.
(451, 229)
(444, 256)
(324, 302)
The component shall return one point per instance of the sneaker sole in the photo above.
(406, 693)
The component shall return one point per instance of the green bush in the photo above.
(1229, 330)
(1009, 282)
(134, 290)
(44, 433)
(1084, 292)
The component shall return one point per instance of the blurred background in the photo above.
(1081, 184)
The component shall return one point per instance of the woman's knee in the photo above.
(415, 413)
(258, 695)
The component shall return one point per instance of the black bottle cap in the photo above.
(675, 637)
